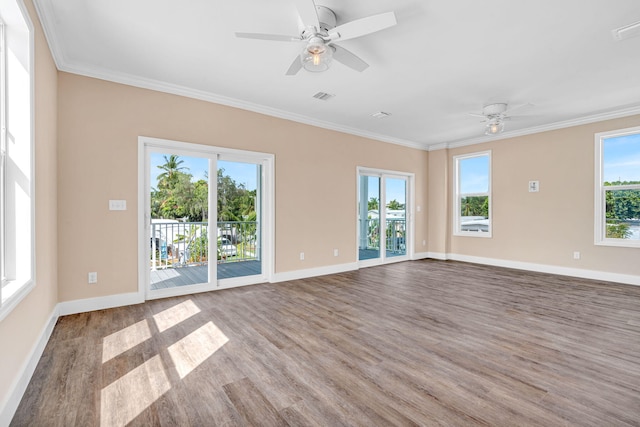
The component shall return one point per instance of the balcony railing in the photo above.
(181, 244)
(395, 234)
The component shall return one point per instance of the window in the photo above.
(472, 201)
(16, 155)
(618, 188)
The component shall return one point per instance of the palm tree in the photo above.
(171, 168)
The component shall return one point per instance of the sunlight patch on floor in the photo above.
(126, 398)
(125, 339)
(176, 314)
(195, 348)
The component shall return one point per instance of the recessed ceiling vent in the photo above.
(626, 32)
(380, 115)
(323, 96)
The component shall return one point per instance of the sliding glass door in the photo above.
(383, 226)
(204, 221)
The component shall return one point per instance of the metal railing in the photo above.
(181, 244)
(395, 234)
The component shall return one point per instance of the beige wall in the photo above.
(315, 178)
(546, 227)
(22, 328)
(438, 206)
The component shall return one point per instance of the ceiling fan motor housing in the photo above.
(326, 17)
(494, 110)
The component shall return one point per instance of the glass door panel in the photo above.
(395, 217)
(239, 231)
(179, 212)
(369, 218)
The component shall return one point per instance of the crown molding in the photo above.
(156, 85)
(599, 117)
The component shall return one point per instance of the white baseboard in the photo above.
(420, 255)
(99, 303)
(313, 272)
(551, 269)
(16, 391)
(438, 255)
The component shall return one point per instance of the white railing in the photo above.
(395, 234)
(180, 244)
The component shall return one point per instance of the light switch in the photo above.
(534, 186)
(117, 205)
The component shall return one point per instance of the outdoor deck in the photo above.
(364, 254)
(172, 277)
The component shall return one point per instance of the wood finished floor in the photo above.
(412, 343)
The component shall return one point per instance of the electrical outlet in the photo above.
(301, 256)
(424, 243)
(576, 255)
(93, 277)
(335, 252)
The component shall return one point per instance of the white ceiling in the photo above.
(441, 61)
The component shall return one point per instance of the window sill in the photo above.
(20, 291)
(619, 243)
(482, 234)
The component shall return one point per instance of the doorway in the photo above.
(384, 216)
(207, 218)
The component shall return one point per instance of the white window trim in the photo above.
(600, 198)
(15, 14)
(409, 177)
(457, 196)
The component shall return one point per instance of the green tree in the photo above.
(171, 168)
(372, 204)
(475, 206)
(395, 205)
(235, 202)
(199, 204)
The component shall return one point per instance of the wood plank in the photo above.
(412, 343)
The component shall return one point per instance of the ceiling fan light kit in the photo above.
(494, 127)
(316, 56)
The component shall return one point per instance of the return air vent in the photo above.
(323, 96)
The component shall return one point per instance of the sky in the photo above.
(622, 158)
(395, 189)
(474, 175)
(242, 173)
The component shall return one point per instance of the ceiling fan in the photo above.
(319, 34)
(495, 115)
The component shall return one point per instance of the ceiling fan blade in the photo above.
(349, 59)
(308, 13)
(274, 37)
(477, 115)
(363, 26)
(295, 66)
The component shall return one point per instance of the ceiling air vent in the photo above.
(380, 115)
(323, 96)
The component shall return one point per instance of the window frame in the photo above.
(17, 270)
(457, 195)
(3, 155)
(600, 198)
